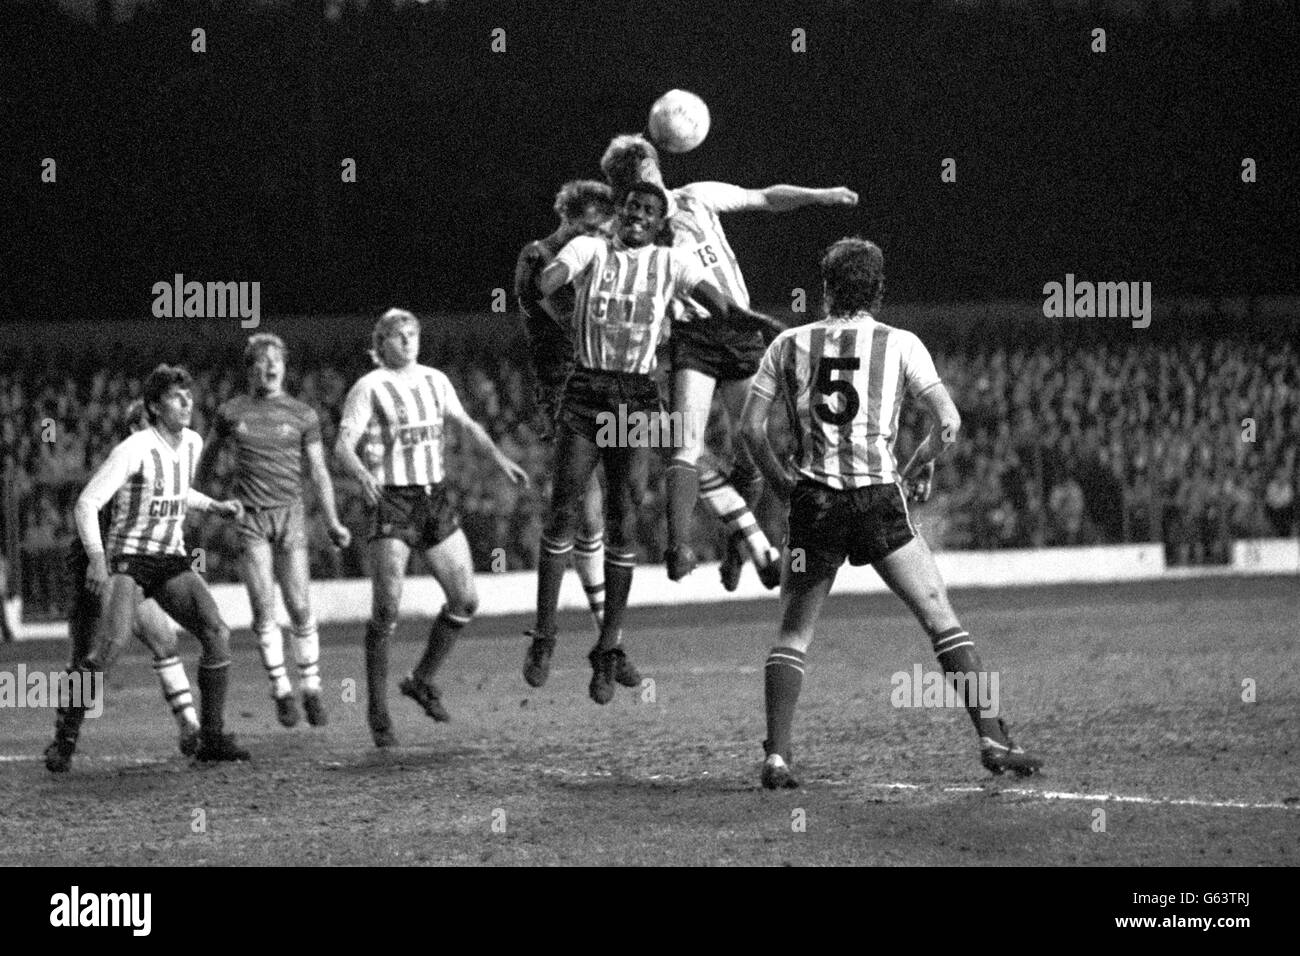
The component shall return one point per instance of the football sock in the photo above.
(618, 584)
(956, 653)
(70, 714)
(377, 637)
(727, 506)
(176, 690)
(748, 481)
(270, 643)
(213, 681)
(552, 558)
(589, 561)
(306, 651)
(682, 483)
(782, 681)
(442, 637)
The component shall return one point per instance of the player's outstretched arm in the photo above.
(479, 436)
(753, 432)
(320, 476)
(724, 197)
(206, 468)
(722, 306)
(945, 422)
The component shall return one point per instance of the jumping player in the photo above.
(842, 380)
(708, 356)
(149, 477)
(271, 433)
(585, 209)
(396, 414)
(623, 286)
(152, 628)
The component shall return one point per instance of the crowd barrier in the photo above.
(515, 592)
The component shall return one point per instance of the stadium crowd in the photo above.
(1191, 443)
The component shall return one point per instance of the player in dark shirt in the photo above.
(271, 433)
(585, 208)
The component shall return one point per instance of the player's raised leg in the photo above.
(453, 569)
(576, 457)
(912, 574)
(589, 549)
(187, 599)
(692, 390)
(746, 537)
(388, 558)
(256, 567)
(292, 570)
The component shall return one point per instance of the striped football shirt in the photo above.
(149, 483)
(843, 381)
(622, 298)
(697, 232)
(399, 415)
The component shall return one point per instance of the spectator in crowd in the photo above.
(1279, 502)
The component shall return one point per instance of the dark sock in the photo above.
(956, 653)
(212, 697)
(782, 681)
(71, 714)
(552, 559)
(748, 482)
(442, 637)
(683, 488)
(377, 636)
(618, 584)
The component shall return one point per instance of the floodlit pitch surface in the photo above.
(1129, 692)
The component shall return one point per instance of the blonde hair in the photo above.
(392, 319)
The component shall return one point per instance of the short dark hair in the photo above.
(158, 382)
(621, 163)
(853, 270)
(577, 195)
(643, 186)
(261, 341)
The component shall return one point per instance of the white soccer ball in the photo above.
(679, 121)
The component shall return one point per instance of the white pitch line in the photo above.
(110, 758)
(1101, 797)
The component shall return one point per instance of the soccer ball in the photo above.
(679, 121)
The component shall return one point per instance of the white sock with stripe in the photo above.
(270, 642)
(726, 504)
(176, 690)
(306, 651)
(589, 562)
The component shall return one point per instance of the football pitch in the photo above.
(1133, 694)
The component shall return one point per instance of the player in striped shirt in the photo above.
(843, 381)
(272, 434)
(394, 417)
(708, 356)
(623, 289)
(585, 208)
(148, 477)
(152, 628)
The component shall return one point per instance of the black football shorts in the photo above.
(420, 515)
(861, 524)
(150, 571)
(720, 351)
(591, 392)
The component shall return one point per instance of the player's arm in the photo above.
(567, 264)
(355, 421)
(945, 422)
(721, 306)
(478, 435)
(724, 197)
(207, 466)
(103, 484)
(320, 476)
(198, 501)
(753, 430)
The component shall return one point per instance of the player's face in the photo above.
(593, 222)
(401, 346)
(174, 409)
(640, 219)
(267, 371)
